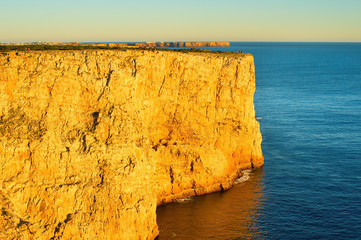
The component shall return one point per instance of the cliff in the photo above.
(92, 141)
(162, 44)
(207, 44)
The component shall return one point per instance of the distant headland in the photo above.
(129, 44)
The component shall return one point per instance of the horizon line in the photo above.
(233, 41)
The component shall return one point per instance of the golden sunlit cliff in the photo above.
(92, 141)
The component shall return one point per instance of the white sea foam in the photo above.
(245, 176)
(184, 200)
(258, 118)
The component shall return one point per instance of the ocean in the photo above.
(308, 101)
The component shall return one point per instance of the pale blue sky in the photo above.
(160, 20)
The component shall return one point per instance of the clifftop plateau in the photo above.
(92, 141)
(129, 44)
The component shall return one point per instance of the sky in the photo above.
(186, 20)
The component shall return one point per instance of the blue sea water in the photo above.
(309, 98)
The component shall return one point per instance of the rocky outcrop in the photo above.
(92, 141)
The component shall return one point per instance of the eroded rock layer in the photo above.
(92, 141)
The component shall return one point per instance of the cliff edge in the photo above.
(92, 141)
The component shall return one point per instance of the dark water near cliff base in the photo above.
(309, 98)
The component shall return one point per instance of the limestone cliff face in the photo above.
(91, 142)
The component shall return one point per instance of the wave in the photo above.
(184, 200)
(245, 176)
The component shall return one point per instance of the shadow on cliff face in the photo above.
(224, 215)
